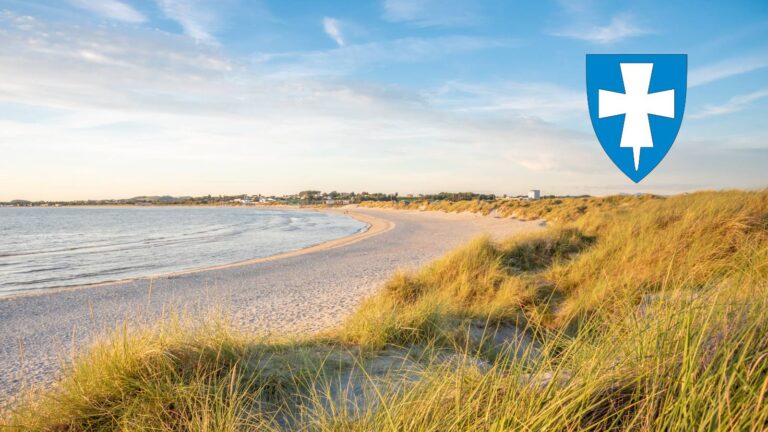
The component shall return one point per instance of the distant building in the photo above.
(242, 201)
(332, 201)
(534, 194)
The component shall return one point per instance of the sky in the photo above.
(120, 98)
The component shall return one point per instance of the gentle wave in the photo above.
(55, 247)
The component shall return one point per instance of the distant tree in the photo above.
(309, 195)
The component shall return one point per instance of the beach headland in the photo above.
(302, 291)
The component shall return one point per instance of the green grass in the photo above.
(639, 313)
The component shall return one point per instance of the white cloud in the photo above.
(621, 27)
(196, 18)
(734, 104)
(114, 112)
(432, 13)
(333, 30)
(112, 9)
(151, 112)
(726, 69)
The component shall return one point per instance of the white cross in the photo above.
(636, 103)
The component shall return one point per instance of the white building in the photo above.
(242, 201)
(534, 194)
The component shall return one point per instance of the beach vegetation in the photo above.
(626, 313)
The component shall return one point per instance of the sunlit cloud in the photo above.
(159, 113)
(90, 109)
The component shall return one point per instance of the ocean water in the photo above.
(43, 248)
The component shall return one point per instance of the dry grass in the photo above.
(556, 210)
(650, 314)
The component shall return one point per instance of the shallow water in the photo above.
(44, 248)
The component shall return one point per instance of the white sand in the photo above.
(300, 291)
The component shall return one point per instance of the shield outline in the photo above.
(603, 73)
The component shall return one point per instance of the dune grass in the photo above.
(639, 313)
(555, 210)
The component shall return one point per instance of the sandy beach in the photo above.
(300, 291)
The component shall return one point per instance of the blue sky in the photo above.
(116, 98)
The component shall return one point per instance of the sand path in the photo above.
(299, 291)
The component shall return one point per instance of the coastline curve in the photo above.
(375, 226)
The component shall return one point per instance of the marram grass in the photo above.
(556, 210)
(640, 314)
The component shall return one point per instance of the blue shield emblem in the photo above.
(636, 104)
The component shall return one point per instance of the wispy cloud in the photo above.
(533, 100)
(332, 28)
(158, 113)
(112, 9)
(621, 26)
(196, 18)
(351, 58)
(726, 69)
(734, 104)
(432, 13)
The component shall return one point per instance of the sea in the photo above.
(43, 248)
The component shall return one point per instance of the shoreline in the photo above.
(190, 206)
(300, 292)
(375, 227)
